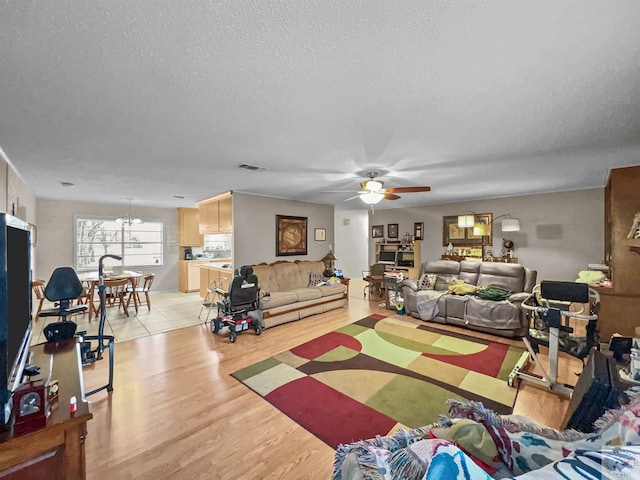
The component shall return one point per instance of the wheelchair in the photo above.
(236, 304)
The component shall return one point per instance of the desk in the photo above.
(92, 280)
(55, 451)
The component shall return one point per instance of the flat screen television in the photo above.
(15, 306)
(387, 257)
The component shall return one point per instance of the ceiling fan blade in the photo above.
(351, 198)
(408, 189)
(391, 196)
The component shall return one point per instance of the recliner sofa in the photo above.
(504, 318)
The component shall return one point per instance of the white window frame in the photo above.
(120, 243)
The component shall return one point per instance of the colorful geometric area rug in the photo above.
(381, 373)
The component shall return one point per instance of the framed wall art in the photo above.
(463, 236)
(291, 235)
(377, 231)
(392, 230)
(320, 234)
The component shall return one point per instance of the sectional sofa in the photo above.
(504, 318)
(288, 294)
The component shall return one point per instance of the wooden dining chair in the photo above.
(37, 286)
(135, 294)
(115, 293)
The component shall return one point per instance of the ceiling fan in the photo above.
(372, 190)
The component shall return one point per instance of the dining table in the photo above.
(92, 280)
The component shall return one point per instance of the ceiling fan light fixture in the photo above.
(373, 186)
(371, 198)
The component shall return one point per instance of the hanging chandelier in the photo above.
(129, 219)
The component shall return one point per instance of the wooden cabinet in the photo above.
(212, 273)
(189, 228)
(621, 303)
(189, 275)
(406, 256)
(216, 214)
(55, 451)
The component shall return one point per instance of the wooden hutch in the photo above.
(620, 305)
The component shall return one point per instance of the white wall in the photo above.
(55, 237)
(560, 232)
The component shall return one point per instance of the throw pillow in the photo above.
(427, 281)
(316, 279)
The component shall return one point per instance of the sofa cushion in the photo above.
(469, 272)
(304, 294)
(277, 299)
(327, 290)
(446, 270)
(266, 278)
(289, 277)
(509, 276)
(455, 306)
(306, 267)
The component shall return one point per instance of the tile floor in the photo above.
(169, 311)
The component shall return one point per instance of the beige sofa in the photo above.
(286, 295)
(504, 318)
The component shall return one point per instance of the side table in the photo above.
(345, 281)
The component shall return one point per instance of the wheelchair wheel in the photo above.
(233, 336)
(258, 329)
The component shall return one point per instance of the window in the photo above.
(139, 244)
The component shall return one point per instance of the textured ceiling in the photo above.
(147, 99)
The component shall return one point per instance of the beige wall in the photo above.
(560, 232)
(254, 228)
(55, 237)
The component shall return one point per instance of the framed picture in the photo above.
(463, 236)
(291, 235)
(392, 230)
(418, 231)
(320, 234)
(377, 231)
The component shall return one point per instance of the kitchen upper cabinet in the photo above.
(189, 228)
(216, 214)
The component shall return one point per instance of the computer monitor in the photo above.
(387, 257)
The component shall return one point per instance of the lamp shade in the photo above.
(481, 229)
(466, 221)
(329, 257)
(511, 225)
(371, 198)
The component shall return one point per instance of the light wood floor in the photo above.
(176, 413)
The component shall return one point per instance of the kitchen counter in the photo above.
(220, 271)
(218, 264)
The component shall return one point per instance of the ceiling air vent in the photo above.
(253, 168)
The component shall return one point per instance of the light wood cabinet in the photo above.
(189, 275)
(407, 256)
(216, 215)
(621, 303)
(212, 273)
(189, 228)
